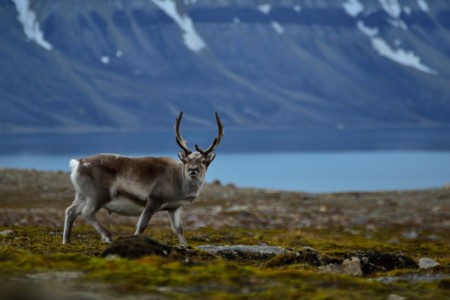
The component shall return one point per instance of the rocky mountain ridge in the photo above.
(133, 65)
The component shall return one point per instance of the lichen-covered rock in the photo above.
(304, 256)
(352, 266)
(239, 252)
(348, 266)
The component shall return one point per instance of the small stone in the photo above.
(349, 266)
(57, 276)
(434, 237)
(412, 235)
(308, 248)
(6, 232)
(331, 268)
(275, 250)
(216, 182)
(352, 267)
(427, 263)
(395, 297)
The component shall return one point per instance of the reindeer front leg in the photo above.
(149, 210)
(177, 226)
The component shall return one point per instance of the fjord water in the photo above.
(313, 160)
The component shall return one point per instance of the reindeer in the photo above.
(138, 186)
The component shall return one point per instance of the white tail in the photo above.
(138, 186)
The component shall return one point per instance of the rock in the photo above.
(352, 266)
(395, 297)
(6, 232)
(57, 276)
(239, 252)
(332, 268)
(348, 266)
(305, 256)
(411, 235)
(135, 247)
(414, 278)
(245, 248)
(427, 263)
(433, 237)
(216, 182)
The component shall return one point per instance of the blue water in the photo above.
(311, 161)
(300, 171)
(335, 171)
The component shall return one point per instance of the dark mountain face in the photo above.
(94, 65)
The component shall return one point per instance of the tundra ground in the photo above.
(336, 246)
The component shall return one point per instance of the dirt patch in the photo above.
(136, 247)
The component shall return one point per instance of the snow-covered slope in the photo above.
(90, 65)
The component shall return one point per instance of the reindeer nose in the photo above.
(193, 170)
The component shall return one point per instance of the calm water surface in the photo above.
(312, 161)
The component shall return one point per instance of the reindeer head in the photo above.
(196, 163)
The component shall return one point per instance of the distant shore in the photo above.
(48, 193)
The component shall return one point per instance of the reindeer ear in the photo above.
(210, 157)
(182, 156)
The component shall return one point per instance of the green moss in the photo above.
(36, 248)
(290, 276)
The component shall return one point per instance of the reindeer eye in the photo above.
(204, 161)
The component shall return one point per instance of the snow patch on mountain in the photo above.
(353, 7)
(399, 24)
(370, 32)
(277, 26)
(105, 59)
(407, 10)
(391, 7)
(423, 5)
(399, 55)
(30, 25)
(191, 38)
(265, 8)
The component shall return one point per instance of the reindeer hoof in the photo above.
(107, 240)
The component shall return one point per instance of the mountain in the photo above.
(134, 64)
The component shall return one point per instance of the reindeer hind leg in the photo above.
(89, 211)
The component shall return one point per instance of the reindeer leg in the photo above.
(146, 215)
(177, 225)
(72, 212)
(89, 212)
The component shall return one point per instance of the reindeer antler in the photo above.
(216, 141)
(180, 141)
